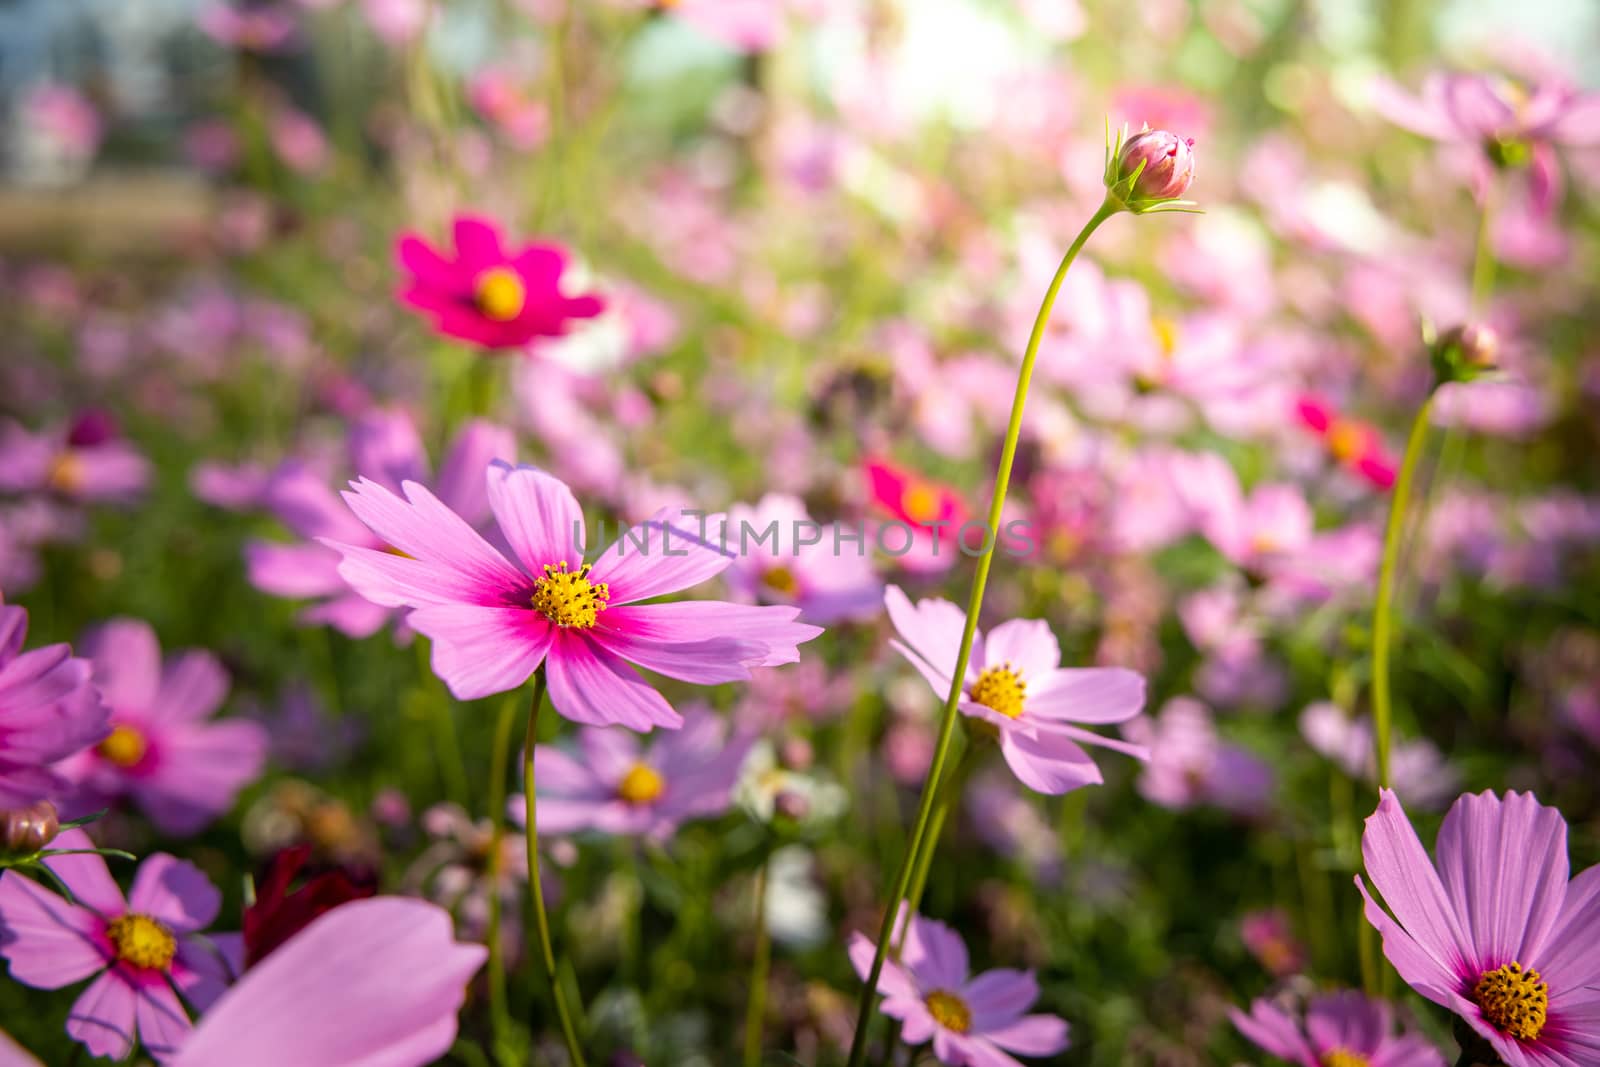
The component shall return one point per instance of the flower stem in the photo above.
(980, 578)
(499, 1018)
(1483, 261)
(756, 1012)
(1383, 609)
(536, 888)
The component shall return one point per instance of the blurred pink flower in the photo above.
(67, 116)
(182, 770)
(971, 1020)
(86, 460)
(145, 948)
(521, 119)
(743, 25)
(48, 711)
(1355, 445)
(396, 22)
(494, 622)
(1417, 770)
(259, 28)
(781, 556)
(617, 787)
(1270, 938)
(1338, 1028)
(489, 295)
(1016, 689)
(1190, 765)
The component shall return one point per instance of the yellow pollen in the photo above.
(125, 746)
(568, 598)
(1346, 441)
(1166, 332)
(641, 785)
(500, 294)
(66, 473)
(1340, 1057)
(780, 579)
(1001, 689)
(142, 941)
(920, 502)
(949, 1011)
(1514, 1001)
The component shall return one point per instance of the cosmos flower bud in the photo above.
(1149, 171)
(1465, 352)
(27, 830)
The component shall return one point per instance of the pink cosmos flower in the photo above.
(180, 769)
(615, 787)
(1271, 940)
(929, 515)
(494, 620)
(372, 982)
(1417, 770)
(487, 294)
(502, 101)
(1493, 930)
(744, 25)
(783, 557)
(972, 1020)
(48, 711)
(1355, 445)
(454, 871)
(1343, 1029)
(1016, 687)
(85, 461)
(67, 116)
(1190, 765)
(1491, 109)
(267, 28)
(384, 446)
(141, 947)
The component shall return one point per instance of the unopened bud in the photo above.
(1168, 165)
(27, 830)
(791, 805)
(1466, 352)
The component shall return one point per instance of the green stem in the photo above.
(499, 1017)
(1483, 261)
(756, 1012)
(941, 753)
(1383, 609)
(540, 919)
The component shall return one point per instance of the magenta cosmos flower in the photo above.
(973, 1021)
(616, 787)
(375, 982)
(144, 948)
(385, 447)
(181, 769)
(494, 621)
(1493, 930)
(1339, 1030)
(487, 294)
(1015, 686)
(48, 711)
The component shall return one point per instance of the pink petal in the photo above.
(1421, 970)
(1504, 867)
(1026, 644)
(593, 686)
(539, 516)
(373, 983)
(1571, 955)
(704, 641)
(86, 874)
(1049, 763)
(999, 996)
(942, 960)
(1273, 1030)
(609, 754)
(1401, 872)
(103, 1017)
(193, 686)
(665, 554)
(201, 771)
(1580, 124)
(385, 446)
(163, 1024)
(1421, 116)
(427, 265)
(932, 628)
(477, 243)
(480, 651)
(449, 560)
(48, 942)
(293, 570)
(175, 892)
(461, 483)
(14, 1055)
(558, 775)
(1032, 1035)
(127, 663)
(1087, 694)
(1475, 107)
(892, 980)
(205, 967)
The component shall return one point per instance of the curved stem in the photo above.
(756, 1012)
(499, 1018)
(535, 887)
(941, 753)
(1383, 609)
(1483, 261)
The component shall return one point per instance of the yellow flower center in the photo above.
(125, 746)
(780, 579)
(1340, 1057)
(1513, 1000)
(1001, 689)
(1166, 332)
(1346, 441)
(66, 473)
(500, 294)
(949, 1011)
(142, 941)
(641, 785)
(568, 598)
(920, 502)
